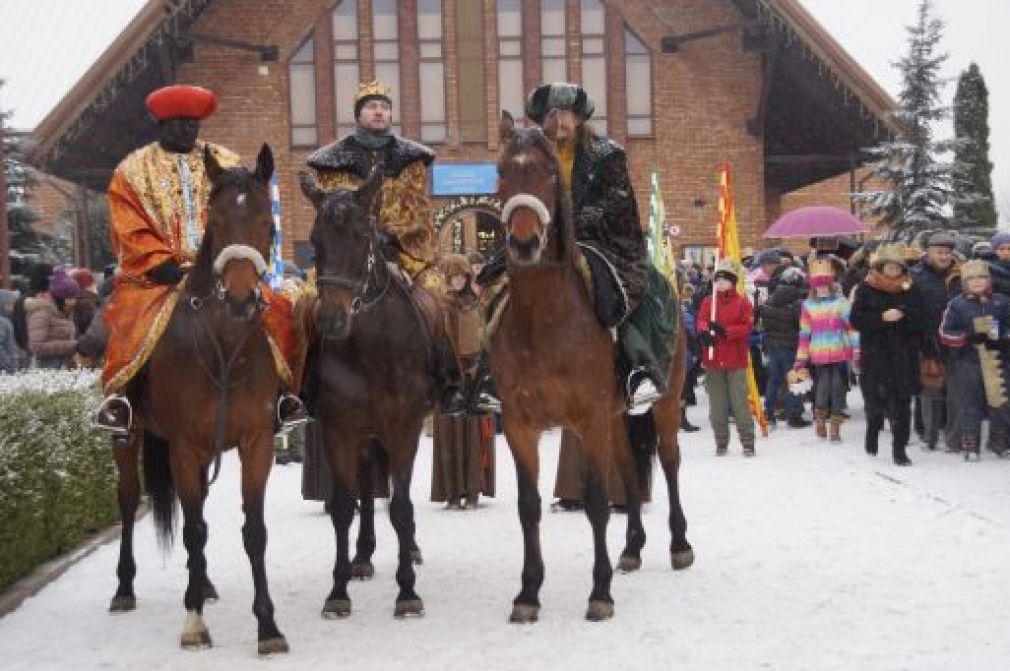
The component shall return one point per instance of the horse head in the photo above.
(530, 188)
(347, 255)
(239, 233)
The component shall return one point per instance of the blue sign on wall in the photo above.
(464, 179)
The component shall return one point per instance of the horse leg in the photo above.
(209, 591)
(256, 463)
(127, 457)
(631, 556)
(666, 412)
(188, 478)
(522, 442)
(361, 566)
(343, 466)
(595, 441)
(401, 514)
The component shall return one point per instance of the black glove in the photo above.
(979, 338)
(718, 331)
(706, 338)
(167, 272)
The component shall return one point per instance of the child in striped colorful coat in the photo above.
(829, 344)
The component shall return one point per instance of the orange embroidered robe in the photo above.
(157, 212)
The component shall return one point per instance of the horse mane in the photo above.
(201, 278)
(524, 139)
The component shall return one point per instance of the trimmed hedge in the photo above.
(57, 476)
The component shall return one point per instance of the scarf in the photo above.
(370, 139)
(882, 282)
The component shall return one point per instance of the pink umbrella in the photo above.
(818, 221)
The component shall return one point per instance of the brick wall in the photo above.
(702, 97)
(51, 197)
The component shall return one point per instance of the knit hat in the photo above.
(373, 90)
(973, 269)
(768, 256)
(941, 239)
(888, 254)
(561, 96)
(62, 285)
(822, 274)
(999, 240)
(84, 278)
(727, 269)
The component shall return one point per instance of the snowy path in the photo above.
(811, 556)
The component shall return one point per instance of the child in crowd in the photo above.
(976, 328)
(827, 342)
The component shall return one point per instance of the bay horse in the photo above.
(190, 406)
(554, 365)
(371, 364)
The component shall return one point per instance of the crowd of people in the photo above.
(923, 330)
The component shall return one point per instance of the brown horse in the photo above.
(553, 364)
(374, 383)
(214, 342)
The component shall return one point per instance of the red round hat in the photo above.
(181, 100)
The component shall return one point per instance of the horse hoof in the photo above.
(336, 608)
(524, 613)
(210, 593)
(123, 604)
(362, 570)
(416, 558)
(681, 560)
(409, 607)
(629, 563)
(599, 611)
(196, 640)
(273, 645)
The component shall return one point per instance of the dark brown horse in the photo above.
(553, 364)
(370, 354)
(190, 407)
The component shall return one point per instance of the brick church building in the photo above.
(683, 84)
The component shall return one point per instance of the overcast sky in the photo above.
(48, 44)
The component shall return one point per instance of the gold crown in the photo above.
(372, 88)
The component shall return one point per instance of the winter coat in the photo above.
(889, 350)
(733, 312)
(93, 342)
(826, 335)
(937, 289)
(958, 324)
(999, 271)
(84, 310)
(51, 334)
(780, 317)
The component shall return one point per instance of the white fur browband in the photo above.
(238, 253)
(529, 201)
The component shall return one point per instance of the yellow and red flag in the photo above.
(728, 239)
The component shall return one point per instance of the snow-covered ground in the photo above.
(811, 556)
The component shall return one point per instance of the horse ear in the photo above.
(550, 126)
(211, 165)
(311, 188)
(367, 192)
(265, 164)
(506, 127)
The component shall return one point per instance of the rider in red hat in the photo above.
(157, 211)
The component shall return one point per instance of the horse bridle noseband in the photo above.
(360, 287)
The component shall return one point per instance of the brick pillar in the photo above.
(573, 31)
(410, 69)
(532, 71)
(367, 54)
(450, 54)
(491, 72)
(617, 99)
(323, 54)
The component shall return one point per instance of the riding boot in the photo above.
(291, 412)
(642, 391)
(114, 415)
(821, 422)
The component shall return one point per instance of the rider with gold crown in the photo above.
(157, 212)
(404, 217)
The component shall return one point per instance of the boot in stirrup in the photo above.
(291, 412)
(642, 392)
(114, 415)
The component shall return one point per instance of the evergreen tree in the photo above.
(974, 206)
(918, 185)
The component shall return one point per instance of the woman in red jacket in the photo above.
(725, 351)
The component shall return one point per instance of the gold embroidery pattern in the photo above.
(158, 327)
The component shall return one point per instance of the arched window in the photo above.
(302, 77)
(594, 59)
(511, 95)
(638, 82)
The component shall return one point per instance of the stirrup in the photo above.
(644, 395)
(105, 420)
(487, 402)
(296, 417)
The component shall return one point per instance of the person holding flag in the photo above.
(724, 330)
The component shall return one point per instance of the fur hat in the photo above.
(973, 269)
(889, 253)
(561, 96)
(941, 238)
(62, 285)
(728, 269)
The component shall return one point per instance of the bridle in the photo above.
(368, 279)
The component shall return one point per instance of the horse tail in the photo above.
(644, 441)
(160, 488)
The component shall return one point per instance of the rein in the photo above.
(366, 281)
